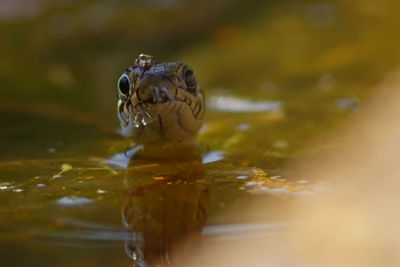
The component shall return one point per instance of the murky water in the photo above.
(278, 76)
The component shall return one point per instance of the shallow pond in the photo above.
(279, 78)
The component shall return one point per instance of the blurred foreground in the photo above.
(355, 222)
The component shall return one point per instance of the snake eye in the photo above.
(124, 85)
(190, 80)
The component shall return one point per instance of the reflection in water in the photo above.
(164, 206)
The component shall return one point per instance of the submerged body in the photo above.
(160, 104)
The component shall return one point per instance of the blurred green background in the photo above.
(62, 59)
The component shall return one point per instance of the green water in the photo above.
(311, 65)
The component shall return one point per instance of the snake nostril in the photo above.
(160, 95)
(167, 94)
(156, 95)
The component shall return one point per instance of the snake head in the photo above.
(160, 101)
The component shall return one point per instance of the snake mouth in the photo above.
(149, 110)
(163, 114)
(161, 98)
